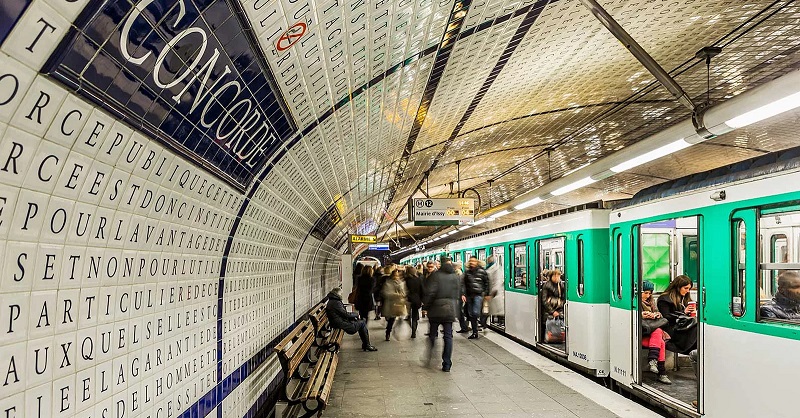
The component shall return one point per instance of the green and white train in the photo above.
(732, 230)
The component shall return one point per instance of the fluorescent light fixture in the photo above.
(437, 238)
(576, 185)
(480, 221)
(650, 156)
(499, 214)
(465, 227)
(534, 201)
(767, 111)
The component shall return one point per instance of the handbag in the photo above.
(554, 328)
(485, 308)
(353, 296)
(650, 325)
(684, 323)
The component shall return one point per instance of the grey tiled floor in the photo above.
(485, 381)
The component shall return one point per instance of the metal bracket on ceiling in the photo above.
(654, 67)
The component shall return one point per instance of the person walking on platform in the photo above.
(339, 318)
(414, 287)
(463, 327)
(497, 292)
(441, 300)
(395, 304)
(364, 285)
(476, 285)
(380, 275)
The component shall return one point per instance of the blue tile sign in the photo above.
(184, 71)
(10, 12)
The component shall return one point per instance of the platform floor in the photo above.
(491, 377)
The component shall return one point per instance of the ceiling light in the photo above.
(479, 221)
(576, 185)
(534, 201)
(777, 107)
(499, 215)
(650, 156)
(465, 227)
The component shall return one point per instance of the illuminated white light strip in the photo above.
(480, 221)
(499, 215)
(652, 155)
(767, 111)
(570, 187)
(534, 201)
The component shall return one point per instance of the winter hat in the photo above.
(648, 286)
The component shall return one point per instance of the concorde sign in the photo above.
(435, 212)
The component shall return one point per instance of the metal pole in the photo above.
(644, 58)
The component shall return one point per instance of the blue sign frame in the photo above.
(188, 72)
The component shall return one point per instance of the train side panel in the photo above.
(521, 313)
(588, 336)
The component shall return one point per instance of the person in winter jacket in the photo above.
(414, 295)
(673, 305)
(381, 274)
(476, 287)
(786, 303)
(657, 340)
(395, 304)
(497, 291)
(364, 285)
(442, 293)
(339, 318)
(553, 294)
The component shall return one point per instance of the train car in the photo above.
(576, 243)
(735, 232)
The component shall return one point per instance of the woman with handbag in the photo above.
(653, 337)
(395, 304)
(674, 306)
(363, 293)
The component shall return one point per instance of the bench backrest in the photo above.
(318, 317)
(292, 349)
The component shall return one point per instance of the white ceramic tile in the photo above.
(14, 405)
(117, 184)
(56, 225)
(85, 344)
(8, 201)
(37, 401)
(63, 400)
(72, 267)
(17, 150)
(69, 121)
(80, 224)
(75, 172)
(29, 216)
(46, 271)
(14, 361)
(94, 133)
(40, 361)
(66, 354)
(15, 79)
(115, 143)
(36, 35)
(46, 166)
(41, 314)
(39, 107)
(96, 183)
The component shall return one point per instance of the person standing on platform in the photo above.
(441, 300)
(497, 293)
(380, 275)
(395, 304)
(414, 286)
(476, 285)
(463, 326)
(364, 285)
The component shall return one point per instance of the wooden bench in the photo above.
(326, 338)
(307, 381)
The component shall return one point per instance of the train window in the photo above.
(780, 275)
(482, 254)
(498, 254)
(580, 267)
(618, 267)
(739, 260)
(468, 255)
(520, 266)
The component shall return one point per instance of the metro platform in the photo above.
(492, 376)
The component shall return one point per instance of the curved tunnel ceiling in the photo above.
(518, 92)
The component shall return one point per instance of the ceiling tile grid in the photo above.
(484, 10)
(470, 63)
(598, 68)
(332, 48)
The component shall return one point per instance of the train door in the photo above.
(666, 357)
(498, 317)
(551, 282)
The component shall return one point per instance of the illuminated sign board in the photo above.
(363, 239)
(185, 72)
(432, 212)
(379, 247)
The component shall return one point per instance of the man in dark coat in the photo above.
(786, 303)
(339, 318)
(414, 296)
(476, 287)
(441, 301)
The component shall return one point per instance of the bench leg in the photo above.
(310, 412)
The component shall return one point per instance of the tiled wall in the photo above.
(116, 295)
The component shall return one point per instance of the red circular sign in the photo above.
(291, 36)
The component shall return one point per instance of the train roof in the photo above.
(776, 162)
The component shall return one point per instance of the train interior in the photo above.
(780, 234)
(667, 249)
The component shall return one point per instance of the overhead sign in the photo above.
(187, 75)
(379, 247)
(434, 212)
(363, 239)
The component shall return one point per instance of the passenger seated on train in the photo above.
(657, 339)
(786, 303)
(674, 305)
(553, 293)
